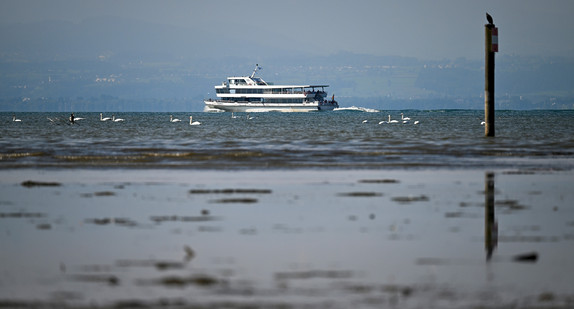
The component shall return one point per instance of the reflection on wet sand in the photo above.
(491, 226)
(313, 239)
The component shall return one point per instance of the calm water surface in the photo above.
(340, 139)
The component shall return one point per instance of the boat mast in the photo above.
(257, 67)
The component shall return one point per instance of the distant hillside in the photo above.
(134, 66)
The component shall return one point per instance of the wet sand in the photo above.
(286, 239)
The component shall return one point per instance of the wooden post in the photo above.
(488, 81)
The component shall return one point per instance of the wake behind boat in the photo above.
(253, 94)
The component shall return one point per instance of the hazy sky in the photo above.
(425, 29)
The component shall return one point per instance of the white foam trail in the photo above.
(357, 108)
(207, 109)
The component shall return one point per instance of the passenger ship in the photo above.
(253, 94)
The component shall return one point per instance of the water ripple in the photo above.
(340, 139)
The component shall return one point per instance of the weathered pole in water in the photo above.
(490, 47)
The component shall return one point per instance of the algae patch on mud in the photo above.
(31, 184)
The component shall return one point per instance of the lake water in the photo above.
(340, 139)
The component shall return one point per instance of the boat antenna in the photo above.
(257, 67)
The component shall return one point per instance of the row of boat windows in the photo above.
(260, 100)
(263, 91)
(242, 81)
(239, 91)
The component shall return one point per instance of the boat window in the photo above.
(283, 100)
(238, 81)
(259, 81)
(249, 91)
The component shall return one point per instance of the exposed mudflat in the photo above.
(286, 239)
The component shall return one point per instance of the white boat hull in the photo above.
(212, 105)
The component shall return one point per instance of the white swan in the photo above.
(233, 116)
(193, 123)
(171, 119)
(416, 122)
(15, 120)
(392, 121)
(250, 117)
(405, 120)
(114, 119)
(73, 118)
(365, 121)
(104, 119)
